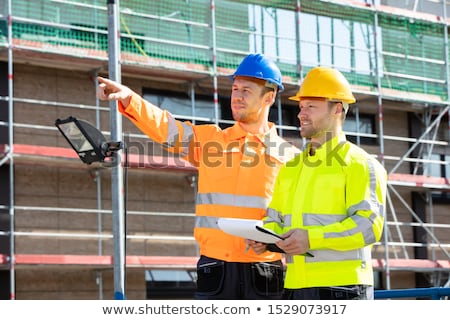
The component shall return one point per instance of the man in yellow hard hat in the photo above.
(328, 201)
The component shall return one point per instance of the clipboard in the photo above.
(248, 229)
(253, 230)
(267, 231)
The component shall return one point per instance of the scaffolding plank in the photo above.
(47, 154)
(44, 151)
(419, 181)
(187, 262)
(413, 264)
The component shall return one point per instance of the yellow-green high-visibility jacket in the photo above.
(236, 173)
(337, 195)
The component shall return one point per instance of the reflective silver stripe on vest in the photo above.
(173, 135)
(363, 225)
(287, 220)
(372, 205)
(172, 131)
(233, 200)
(366, 206)
(206, 222)
(274, 216)
(314, 219)
(362, 254)
(377, 210)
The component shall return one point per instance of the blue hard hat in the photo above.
(256, 65)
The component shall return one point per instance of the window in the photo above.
(360, 130)
(440, 167)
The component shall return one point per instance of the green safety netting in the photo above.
(409, 53)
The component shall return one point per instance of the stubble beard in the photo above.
(307, 134)
(240, 116)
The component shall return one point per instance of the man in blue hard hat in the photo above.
(237, 167)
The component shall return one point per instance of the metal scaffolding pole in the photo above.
(298, 55)
(118, 208)
(447, 62)
(98, 182)
(214, 61)
(12, 250)
(378, 68)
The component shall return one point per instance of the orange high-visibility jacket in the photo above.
(236, 173)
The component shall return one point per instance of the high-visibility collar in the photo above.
(276, 146)
(327, 147)
(236, 132)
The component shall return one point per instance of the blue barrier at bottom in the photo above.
(435, 293)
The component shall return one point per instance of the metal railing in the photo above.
(436, 293)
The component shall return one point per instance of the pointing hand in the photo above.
(111, 90)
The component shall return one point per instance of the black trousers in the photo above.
(355, 292)
(217, 279)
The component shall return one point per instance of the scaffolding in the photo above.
(397, 61)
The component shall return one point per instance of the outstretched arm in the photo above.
(157, 124)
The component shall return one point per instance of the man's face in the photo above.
(247, 100)
(316, 118)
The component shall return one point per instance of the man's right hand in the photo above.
(295, 241)
(256, 246)
(111, 90)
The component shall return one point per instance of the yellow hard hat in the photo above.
(325, 82)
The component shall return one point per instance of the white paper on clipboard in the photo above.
(247, 229)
